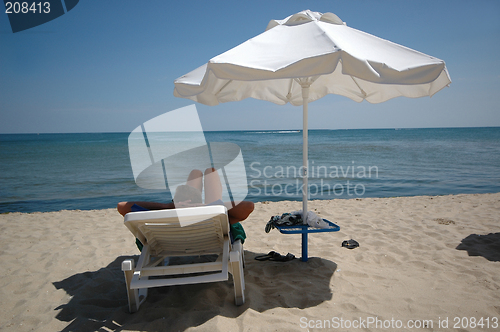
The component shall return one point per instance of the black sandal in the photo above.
(276, 257)
(286, 258)
(350, 244)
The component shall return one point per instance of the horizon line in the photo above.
(251, 130)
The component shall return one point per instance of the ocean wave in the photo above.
(275, 132)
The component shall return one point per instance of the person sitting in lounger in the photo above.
(189, 195)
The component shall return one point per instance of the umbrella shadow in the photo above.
(487, 246)
(99, 299)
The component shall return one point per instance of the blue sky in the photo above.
(108, 66)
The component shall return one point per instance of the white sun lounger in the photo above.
(182, 232)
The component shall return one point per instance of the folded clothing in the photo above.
(295, 218)
(286, 219)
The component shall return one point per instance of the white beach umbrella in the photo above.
(307, 56)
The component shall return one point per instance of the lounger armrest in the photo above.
(237, 246)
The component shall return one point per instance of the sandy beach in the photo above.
(428, 263)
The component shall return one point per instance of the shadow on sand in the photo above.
(487, 246)
(98, 299)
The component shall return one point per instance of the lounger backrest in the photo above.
(191, 231)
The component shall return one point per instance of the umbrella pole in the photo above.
(305, 97)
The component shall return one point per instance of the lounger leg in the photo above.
(238, 278)
(133, 294)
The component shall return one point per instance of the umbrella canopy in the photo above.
(319, 49)
(307, 56)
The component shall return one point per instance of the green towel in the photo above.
(138, 244)
(238, 232)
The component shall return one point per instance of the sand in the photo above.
(422, 261)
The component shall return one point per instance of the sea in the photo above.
(86, 171)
